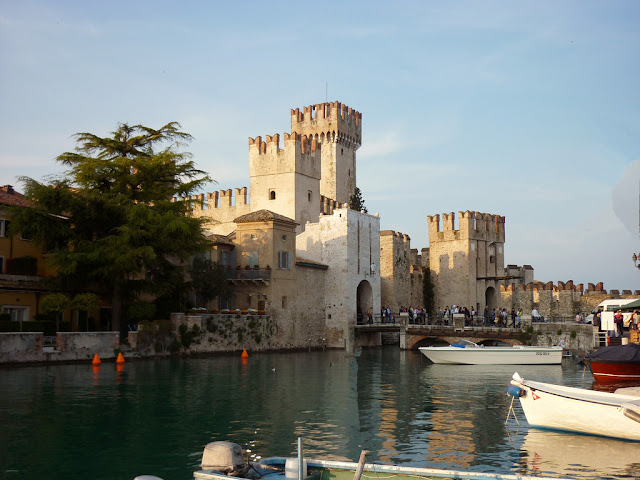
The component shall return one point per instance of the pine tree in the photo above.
(427, 293)
(110, 221)
(356, 202)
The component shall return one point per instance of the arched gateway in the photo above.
(490, 298)
(364, 296)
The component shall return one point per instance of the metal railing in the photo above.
(249, 274)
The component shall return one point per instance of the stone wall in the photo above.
(576, 337)
(21, 347)
(558, 300)
(348, 243)
(395, 268)
(467, 259)
(401, 271)
(70, 346)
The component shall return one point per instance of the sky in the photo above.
(529, 110)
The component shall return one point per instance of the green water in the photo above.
(154, 417)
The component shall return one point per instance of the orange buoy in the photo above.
(96, 360)
(120, 358)
(244, 353)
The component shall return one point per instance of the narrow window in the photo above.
(4, 227)
(284, 302)
(272, 194)
(253, 258)
(284, 260)
(309, 195)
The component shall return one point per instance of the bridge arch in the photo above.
(416, 340)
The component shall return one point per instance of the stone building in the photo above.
(401, 271)
(466, 259)
(290, 244)
(348, 242)
(25, 277)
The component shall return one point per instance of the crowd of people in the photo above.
(418, 315)
(490, 317)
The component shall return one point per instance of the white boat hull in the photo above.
(578, 410)
(518, 355)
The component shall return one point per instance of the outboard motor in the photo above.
(225, 457)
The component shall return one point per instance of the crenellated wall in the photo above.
(328, 205)
(466, 258)
(558, 300)
(221, 208)
(286, 181)
(329, 121)
(339, 129)
(401, 271)
(471, 226)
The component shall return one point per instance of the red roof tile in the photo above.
(8, 196)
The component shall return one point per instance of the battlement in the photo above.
(403, 236)
(217, 199)
(471, 226)
(328, 205)
(542, 287)
(272, 143)
(329, 122)
(301, 154)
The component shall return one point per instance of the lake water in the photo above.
(155, 416)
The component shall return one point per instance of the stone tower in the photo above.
(395, 269)
(338, 129)
(467, 263)
(286, 181)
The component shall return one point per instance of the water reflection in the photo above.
(555, 453)
(395, 404)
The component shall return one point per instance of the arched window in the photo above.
(272, 194)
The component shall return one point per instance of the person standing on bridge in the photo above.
(485, 316)
(535, 315)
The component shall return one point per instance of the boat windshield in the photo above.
(467, 343)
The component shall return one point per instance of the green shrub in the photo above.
(175, 346)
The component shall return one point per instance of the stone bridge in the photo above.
(421, 336)
(413, 336)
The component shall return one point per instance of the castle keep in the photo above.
(316, 259)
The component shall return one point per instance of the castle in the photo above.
(291, 245)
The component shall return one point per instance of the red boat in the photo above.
(616, 364)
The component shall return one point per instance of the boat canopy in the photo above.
(633, 305)
(617, 353)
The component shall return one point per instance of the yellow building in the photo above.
(23, 274)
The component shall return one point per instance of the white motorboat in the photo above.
(468, 353)
(590, 412)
